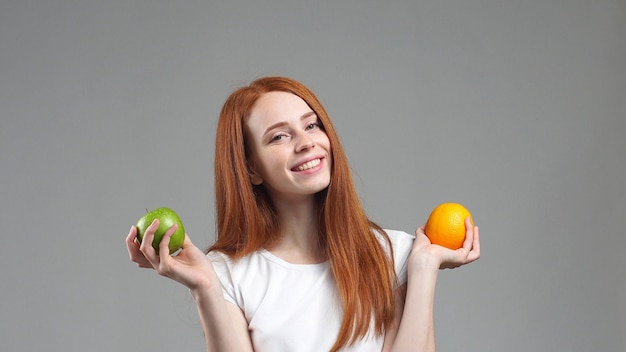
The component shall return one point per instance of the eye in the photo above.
(312, 126)
(278, 137)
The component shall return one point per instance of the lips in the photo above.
(307, 165)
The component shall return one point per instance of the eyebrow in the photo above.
(283, 123)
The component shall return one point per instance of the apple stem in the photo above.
(147, 211)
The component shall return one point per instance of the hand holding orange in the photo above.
(446, 225)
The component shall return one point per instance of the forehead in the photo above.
(275, 107)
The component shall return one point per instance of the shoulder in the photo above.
(399, 240)
(233, 273)
(228, 269)
(397, 235)
(222, 261)
(401, 245)
(223, 266)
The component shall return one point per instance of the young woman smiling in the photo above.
(297, 264)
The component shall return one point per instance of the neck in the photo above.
(298, 240)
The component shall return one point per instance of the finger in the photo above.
(146, 244)
(164, 249)
(469, 235)
(476, 236)
(131, 245)
(420, 236)
(475, 252)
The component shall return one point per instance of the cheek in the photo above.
(265, 163)
(327, 145)
(323, 140)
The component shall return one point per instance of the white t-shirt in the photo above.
(294, 307)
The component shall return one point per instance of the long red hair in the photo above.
(246, 220)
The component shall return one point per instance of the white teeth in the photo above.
(308, 165)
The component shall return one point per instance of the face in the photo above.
(289, 152)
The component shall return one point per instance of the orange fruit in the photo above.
(446, 225)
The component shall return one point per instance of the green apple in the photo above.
(167, 218)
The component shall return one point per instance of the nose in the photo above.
(304, 142)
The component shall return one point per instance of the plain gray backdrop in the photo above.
(514, 108)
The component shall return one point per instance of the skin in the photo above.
(224, 327)
(281, 134)
(415, 326)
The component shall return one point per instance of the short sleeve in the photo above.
(401, 244)
(223, 265)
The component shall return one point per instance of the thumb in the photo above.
(420, 236)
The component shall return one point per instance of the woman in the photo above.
(297, 265)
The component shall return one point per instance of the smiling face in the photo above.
(289, 151)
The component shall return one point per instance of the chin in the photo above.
(322, 187)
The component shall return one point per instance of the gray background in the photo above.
(514, 108)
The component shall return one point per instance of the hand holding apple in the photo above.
(167, 218)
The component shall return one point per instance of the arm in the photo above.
(225, 327)
(415, 327)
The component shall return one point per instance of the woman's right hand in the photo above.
(224, 325)
(190, 266)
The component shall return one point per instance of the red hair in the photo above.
(246, 220)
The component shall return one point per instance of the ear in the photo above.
(255, 178)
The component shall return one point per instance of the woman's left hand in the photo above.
(426, 254)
